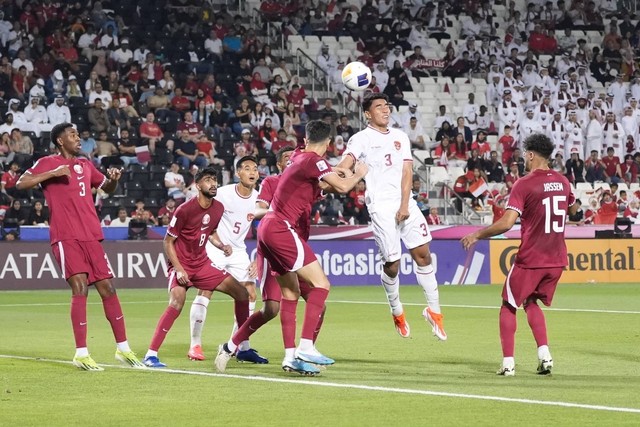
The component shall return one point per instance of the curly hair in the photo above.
(539, 143)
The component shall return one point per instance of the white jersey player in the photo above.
(394, 214)
(239, 202)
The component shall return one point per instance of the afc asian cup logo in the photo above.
(78, 169)
(205, 219)
(397, 145)
(250, 217)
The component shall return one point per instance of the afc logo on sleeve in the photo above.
(321, 165)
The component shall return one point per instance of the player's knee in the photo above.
(391, 269)
(270, 310)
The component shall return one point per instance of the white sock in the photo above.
(82, 352)
(231, 346)
(508, 362)
(123, 346)
(392, 288)
(151, 353)
(244, 345)
(427, 279)
(544, 353)
(197, 316)
(289, 354)
(306, 345)
(252, 307)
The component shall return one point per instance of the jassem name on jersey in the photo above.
(553, 186)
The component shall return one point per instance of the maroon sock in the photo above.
(241, 310)
(538, 325)
(319, 325)
(164, 325)
(508, 327)
(288, 322)
(249, 327)
(113, 312)
(313, 311)
(79, 319)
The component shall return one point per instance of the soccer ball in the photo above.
(356, 76)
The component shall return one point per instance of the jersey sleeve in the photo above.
(266, 191)
(406, 148)
(42, 165)
(517, 197)
(354, 147)
(98, 179)
(177, 222)
(319, 168)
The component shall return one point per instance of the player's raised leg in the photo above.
(197, 317)
(177, 297)
(426, 278)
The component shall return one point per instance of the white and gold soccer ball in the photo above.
(356, 76)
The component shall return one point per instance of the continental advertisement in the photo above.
(590, 261)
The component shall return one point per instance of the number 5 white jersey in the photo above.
(384, 153)
(238, 215)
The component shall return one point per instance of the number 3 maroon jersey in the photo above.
(192, 225)
(71, 207)
(542, 199)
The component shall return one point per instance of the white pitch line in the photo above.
(482, 307)
(320, 383)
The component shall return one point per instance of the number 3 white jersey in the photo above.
(384, 153)
(238, 215)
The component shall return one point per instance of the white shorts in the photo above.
(413, 232)
(237, 264)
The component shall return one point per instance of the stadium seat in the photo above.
(438, 174)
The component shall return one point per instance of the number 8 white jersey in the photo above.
(385, 154)
(238, 215)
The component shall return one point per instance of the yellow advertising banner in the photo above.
(590, 260)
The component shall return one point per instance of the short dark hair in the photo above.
(539, 143)
(245, 159)
(208, 171)
(368, 100)
(58, 130)
(317, 131)
(281, 152)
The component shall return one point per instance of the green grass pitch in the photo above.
(379, 378)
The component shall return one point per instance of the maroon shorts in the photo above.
(535, 283)
(270, 286)
(75, 257)
(282, 247)
(206, 278)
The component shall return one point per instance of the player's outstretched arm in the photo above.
(261, 210)
(29, 180)
(114, 175)
(344, 185)
(347, 162)
(503, 225)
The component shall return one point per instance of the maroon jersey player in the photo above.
(184, 244)
(290, 256)
(541, 199)
(75, 233)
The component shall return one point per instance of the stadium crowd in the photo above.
(166, 87)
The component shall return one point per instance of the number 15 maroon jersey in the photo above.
(542, 199)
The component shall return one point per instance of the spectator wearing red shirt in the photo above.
(537, 40)
(508, 144)
(28, 19)
(168, 209)
(433, 218)
(281, 141)
(481, 144)
(150, 131)
(498, 209)
(356, 206)
(512, 176)
(608, 209)
(179, 102)
(296, 97)
(46, 12)
(20, 83)
(8, 182)
(193, 129)
(612, 167)
(629, 170)
(267, 135)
